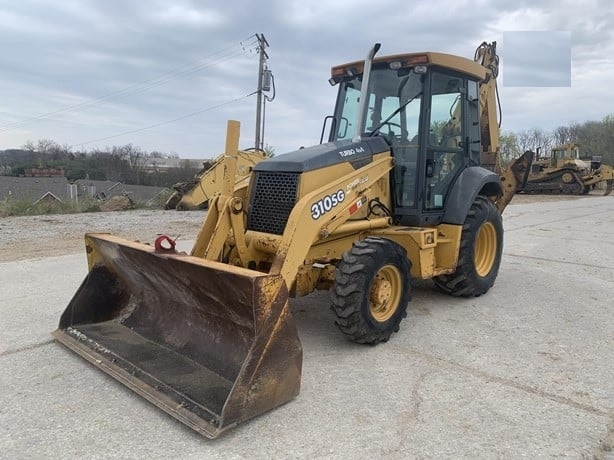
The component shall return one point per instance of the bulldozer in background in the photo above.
(565, 172)
(197, 193)
(396, 193)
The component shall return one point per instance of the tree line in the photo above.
(132, 165)
(126, 163)
(596, 138)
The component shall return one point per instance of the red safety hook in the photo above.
(164, 243)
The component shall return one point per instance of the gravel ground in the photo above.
(31, 237)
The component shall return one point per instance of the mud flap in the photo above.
(211, 344)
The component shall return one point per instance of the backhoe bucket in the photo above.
(211, 344)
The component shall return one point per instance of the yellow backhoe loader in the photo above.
(197, 193)
(396, 193)
(564, 172)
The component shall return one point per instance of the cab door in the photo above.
(449, 142)
(445, 152)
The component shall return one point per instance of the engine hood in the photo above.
(322, 155)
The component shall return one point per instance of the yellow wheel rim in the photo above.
(385, 293)
(485, 249)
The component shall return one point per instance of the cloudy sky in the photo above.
(166, 75)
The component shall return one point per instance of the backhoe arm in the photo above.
(514, 178)
(515, 175)
(486, 55)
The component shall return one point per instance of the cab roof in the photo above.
(449, 61)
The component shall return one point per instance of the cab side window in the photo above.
(445, 155)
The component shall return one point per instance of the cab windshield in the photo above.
(393, 110)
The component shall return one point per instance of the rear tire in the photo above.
(371, 290)
(480, 252)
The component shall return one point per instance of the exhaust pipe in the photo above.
(364, 91)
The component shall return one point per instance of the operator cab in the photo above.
(426, 106)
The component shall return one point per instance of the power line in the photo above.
(145, 85)
(136, 88)
(208, 109)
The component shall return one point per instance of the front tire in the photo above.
(480, 252)
(371, 290)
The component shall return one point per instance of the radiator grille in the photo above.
(273, 197)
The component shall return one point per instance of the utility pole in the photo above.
(262, 45)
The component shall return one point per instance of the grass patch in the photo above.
(28, 207)
(10, 207)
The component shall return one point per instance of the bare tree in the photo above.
(29, 146)
(562, 135)
(541, 140)
(535, 139)
(566, 134)
(524, 141)
(45, 146)
(138, 159)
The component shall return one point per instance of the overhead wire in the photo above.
(182, 71)
(208, 109)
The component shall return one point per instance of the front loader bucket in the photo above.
(211, 344)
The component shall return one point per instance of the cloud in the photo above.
(536, 58)
(185, 14)
(122, 66)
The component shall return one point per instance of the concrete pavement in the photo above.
(525, 371)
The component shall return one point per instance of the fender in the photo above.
(472, 182)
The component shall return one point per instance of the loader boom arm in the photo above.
(302, 230)
(200, 192)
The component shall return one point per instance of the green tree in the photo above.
(508, 142)
(269, 151)
(596, 138)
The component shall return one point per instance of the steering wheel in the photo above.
(391, 123)
(392, 136)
